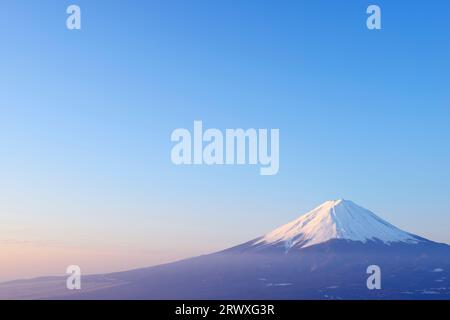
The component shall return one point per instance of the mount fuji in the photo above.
(323, 254)
(333, 220)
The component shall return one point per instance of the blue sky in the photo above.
(86, 118)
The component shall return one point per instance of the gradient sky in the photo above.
(86, 118)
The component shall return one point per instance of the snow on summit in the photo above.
(336, 219)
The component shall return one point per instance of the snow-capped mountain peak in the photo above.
(336, 219)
